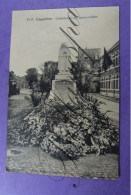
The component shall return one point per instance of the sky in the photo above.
(36, 36)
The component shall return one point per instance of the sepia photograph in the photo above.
(63, 93)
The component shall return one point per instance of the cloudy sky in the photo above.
(36, 39)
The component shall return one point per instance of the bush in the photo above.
(36, 98)
(71, 130)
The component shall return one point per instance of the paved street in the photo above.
(19, 105)
(110, 106)
(36, 161)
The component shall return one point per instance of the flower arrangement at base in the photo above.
(72, 129)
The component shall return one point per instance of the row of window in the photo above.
(115, 61)
(110, 82)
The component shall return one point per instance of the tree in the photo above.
(88, 85)
(49, 70)
(78, 69)
(31, 77)
(45, 84)
(84, 78)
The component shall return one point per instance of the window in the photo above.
(109, 82)
(112, 82)
(113, 62)
(117, 61)
(104, 82)
(117, 82)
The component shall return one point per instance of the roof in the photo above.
(91, 52)
(114, 46)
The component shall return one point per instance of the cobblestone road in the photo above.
(36, 161)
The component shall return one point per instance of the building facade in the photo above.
(109, 79)
(16, 83)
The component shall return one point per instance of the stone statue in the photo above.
(63, 59)
(62, 85)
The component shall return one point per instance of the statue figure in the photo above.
(63, 84)
(64, 57)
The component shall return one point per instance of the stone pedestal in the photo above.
(62, 89)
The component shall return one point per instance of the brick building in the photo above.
(109, 79)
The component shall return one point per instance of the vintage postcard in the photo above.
(63, 95)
